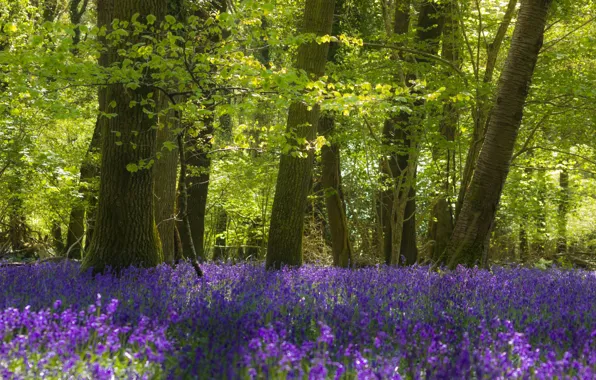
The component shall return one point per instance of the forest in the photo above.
(288, 189)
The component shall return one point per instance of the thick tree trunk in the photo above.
(125, 232)
(483, 105)
(441, 224)
(295, 169)
(469, 244)
(165, 182)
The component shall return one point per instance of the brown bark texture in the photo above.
(198, 145)
(125, 232)
(295, 170)
(165, 171)
(483, 105)
(334, 201)
(471, 236)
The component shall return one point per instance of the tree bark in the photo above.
(470, 241)
(125, 232)
(295, 169)
(483, 105)
(165, 181)
(341, 246)
(197, 184)
(334, 201)
(441, 224)
(564, 197)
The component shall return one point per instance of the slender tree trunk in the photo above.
(197, 184)
(523, 243)
(564, 197)
(399, 200)
(331, 171)
(76, 224)
(221, 224)
(165, 181)
(334, 200)
(469, 244)
(89, 168)
(295, 169)
(77, 9)
(57, 241)
(441, 224)
(483, 105)
(183, 206)
(125, 232)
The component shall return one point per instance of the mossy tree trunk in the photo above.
(125, 232)
(295, 168)
(469, 244)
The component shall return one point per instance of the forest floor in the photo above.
(317, 322)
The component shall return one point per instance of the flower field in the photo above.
(243, 322)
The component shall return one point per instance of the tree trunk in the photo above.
(76, 224)
(125, 232)
(441, 224)
(334, 200)
(295, 168)
(564, 197)
(341, 246)
(57, 241)
(165, 181)
(221, 224)
(469, 244)
(483, 105)
(197, 184)
(524, 247)
(399, 200)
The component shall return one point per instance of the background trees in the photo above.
(224, 77)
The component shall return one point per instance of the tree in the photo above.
(469, 243)
(483, 104)
(165, 179)
(331, 171)
(398, 208)
(295, 168)
(125, 232)
(442, 215)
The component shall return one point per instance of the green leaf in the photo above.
(170, 19)
(132, 168)
(151, 19)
